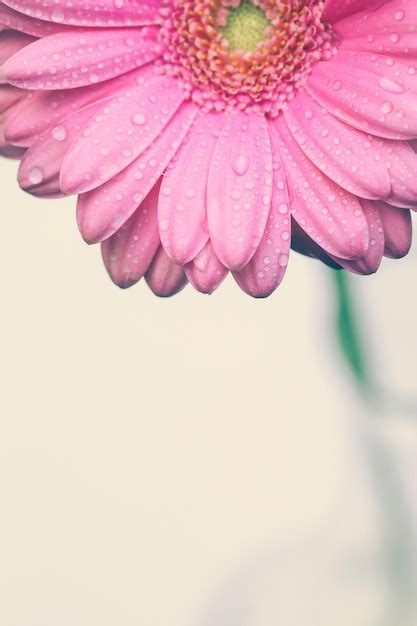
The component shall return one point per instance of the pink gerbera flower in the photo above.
(208, 136)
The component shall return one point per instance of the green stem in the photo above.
(349, 336)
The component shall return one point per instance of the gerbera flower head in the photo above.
(209, 136)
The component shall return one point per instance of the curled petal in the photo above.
(164, 277)
(206, 272)
(398, 230)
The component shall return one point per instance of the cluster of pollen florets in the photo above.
(244, 54)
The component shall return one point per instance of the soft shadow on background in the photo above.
(199, 461)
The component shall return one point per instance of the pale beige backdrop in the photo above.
(199, 461)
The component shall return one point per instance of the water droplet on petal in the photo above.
(241, 164)
(36, 175)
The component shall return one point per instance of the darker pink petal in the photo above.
(398, 230)
(164, 277)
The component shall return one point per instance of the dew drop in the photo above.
(59, 132)
(386, 107)
(36, 175)
(241, 164)
(138, 118)
(390, 85)
(163, 225)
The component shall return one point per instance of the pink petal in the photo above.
(398, 230)
(335, 10)
(373, 257)
(164, 277)
(182, 202)
(120, 133)
(10, 43)
(265, 271)
(44, 109)
(102, 13)
(206, 272)
(6, 149)
(128, 253)
(37, 28)
(331, 216)
(79, 58)
(40, 168)
(10, 96)
(239, 189)
(373, 93)
(344, 154)
(103, 210)
(401, 162)
(389, 30)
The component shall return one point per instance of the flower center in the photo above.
(246, 27)
(244, 54)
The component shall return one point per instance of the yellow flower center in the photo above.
(246, 27)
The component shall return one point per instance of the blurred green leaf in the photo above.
(349, 333)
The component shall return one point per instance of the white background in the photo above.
(199, 461)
